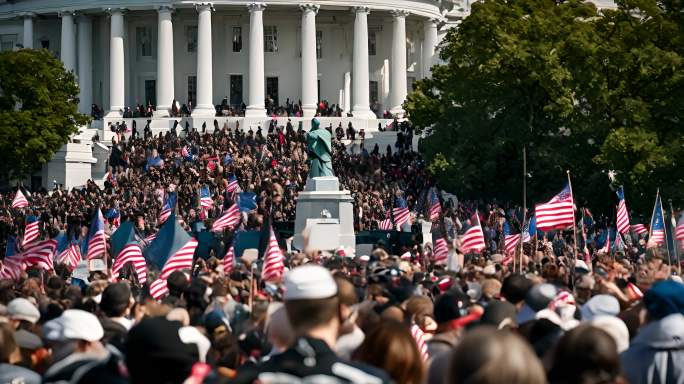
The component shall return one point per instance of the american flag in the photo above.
(401, 212)
(12, 267)
(19, 200)
(473, 239)
(205, 198)
(41, 254)
(149, 239)
(168, 207)
(229, 261)
(31, 232)
(274, 260)
(232, 184)
(639, 229)
(419, 337)
(229, 219)
(657, 235)
(435, 206)
(622, 214)
(159, 288)
(96, 237)
(606, 246)
(386, 223)
(441, 252)
(70, 256)
(180, 260)
(131, 253)
(557, 213)
(511, 241)
(619, 244)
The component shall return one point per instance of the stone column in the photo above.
(85, 63)
(347, 93)
(28, 29)
(165, 87)
(116, 63)
(68, 47)
(429, 45)
(360, 90)
(309, 60)
(398, 89)
(204, 106)
(256, 61)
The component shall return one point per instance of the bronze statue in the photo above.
(319, 149)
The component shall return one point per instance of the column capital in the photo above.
(399, 13)
(437, 21)
(360, 9)
(27, 15)
(164, 8)
(309, 7)
(256, 7)
(66, 12)
(204, 5)
(111, 11)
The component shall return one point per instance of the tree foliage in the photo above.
(581, 90)
(38, 110)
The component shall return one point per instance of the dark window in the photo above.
(373, 89)
(191, 36)
(319, 49)
(235, 90)
(151, 92)
(272, 89)
(237, 39)
(192, 88)
(45, 44)
(372, 44)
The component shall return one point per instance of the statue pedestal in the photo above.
(327, 212)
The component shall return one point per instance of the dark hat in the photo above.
(498, 312)
(27, 340)
(450, 306)
(115, 299)
(664, 298)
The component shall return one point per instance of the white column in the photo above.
(347, 93)
(68, 48)
(361, 95)
(85, 63)
(256, 61)
(398, 88)
(28, 30)
(204, 107)
(116, 63)
(165, 88)
(309, 60)
(429, 45)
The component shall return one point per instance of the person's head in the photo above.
(277, 328)
(8, 346)
(593, 354)
(75, 331)
(449, 308)
(664, 298)
(390, 346)
(514, 289)
(486, 355)
(348, 298)
(22, 313)
(116, 300)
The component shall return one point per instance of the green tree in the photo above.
(38, 110)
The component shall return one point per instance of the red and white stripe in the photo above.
(606, 246)
(274, 260)
(70, 256)
(149, 239)
(165, 213)
(639, 229)
(19, 200)
(31, 233)
(401, 216)
(557, 213)
(181, 260)
(96, 245)
(386, 223)
(441, 252)
(229, 261)
(40, 254)
(206, 202)
(419, 337)
(228, 220)
(12, 267)
(633, 292)
(232, 186)
(622, 217)
(511, 242)
(159, 288)
(657, 238)
(435, 210)
(131, 253)
(679, 230)
(473, 239)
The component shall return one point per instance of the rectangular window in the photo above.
(270, 38)
(373, 90)
(143, 39)
(191, 37)
(7, 42)
(272, 89)
(237, 39)
(236, 90)
(319, 48)
(372, 45)
(192, 88)
(151, 92)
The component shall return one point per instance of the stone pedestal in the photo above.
(70, 166)
(327, 212)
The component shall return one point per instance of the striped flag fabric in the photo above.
(228, 220)
(12, 267)
(622, 214)
(606, 245)
(657, 235)
(511, 241)
(557, 213)
(168, 207)
(419, 337)
(435, 206)
(149, 239)
(274, 260)
(96, 236)
(31, 232)
(619, 244)
(40, 254)
(70, 256)
(679, 229)
(386, 223)
(181, 259)
(131, 253)
(232, 184)
(473, 239)
(229, 261)
(205, 198)
(401, 212)
(441, 251)
(639, 229)
(19, 200)
(159, 288)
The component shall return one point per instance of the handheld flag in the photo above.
(168, 207)
(657, 235)
(170, 239)
(679, 230)
(622, 214)
(123, 236)
(639, 229)
(229, 219)
(606, 244)
(40, 254)
(96, 236)
(400, 211)
(386, 223)
(31, 231)
(232, 184)
(435, 205)
(206, 201)
(19, 200)
(473, 239)
(510, 241)
(70, 256)
(274, 260)
(229, 260)
(557, 213)
(131, 253)
(441, 251)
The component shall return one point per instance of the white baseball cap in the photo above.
(309, 282)
(22, 309)
(74, 324)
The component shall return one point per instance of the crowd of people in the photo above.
(612, 315)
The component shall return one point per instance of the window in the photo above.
(192, 88)
(372, 46)
(151, 92)
(272, 89)
(144, 40)
(7, 42)
(270, 38)
(235, 90)
(45, 44)
(237, 39)
(319, 49)
(373, 90)
(191, 36)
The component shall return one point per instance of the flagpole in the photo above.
(674, 240)
(574, 233)
(524, 209)
(667, 243)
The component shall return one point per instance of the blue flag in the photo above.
(506, 229)
(123, 236)
(247, 201)
(11, 246)
(169, 240)
(62, 241)
(532, 224)
(112, 213)
(620, 193)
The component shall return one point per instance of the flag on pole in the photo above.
(12, 265)
(557, 213)
(131, 253)
(229, 260)
(229, 219)
(181, 259)
(206, 201)
(619, 244)
(435, 205)
(440, 253)
(639, 229)
(168, 207)
(19, 200)
(386, 223)
(170, 239)
(622, 214)
(159, 288)
(232, 184)
(473, 239)
(96, 236)
(657, 235)
(40, 254)
(31, 231)
(679, 228)
(401, 211)
(510, 241)
(274, 260)
(606, 245)
(71, 255)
